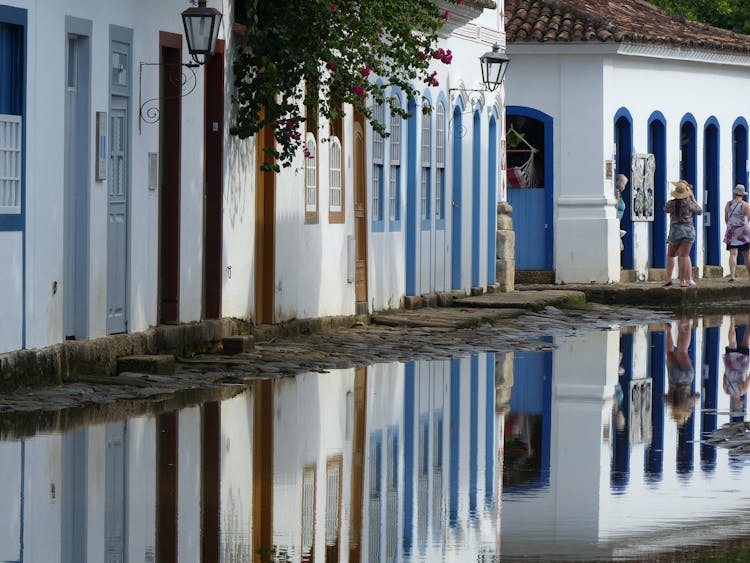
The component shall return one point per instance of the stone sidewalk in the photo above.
(104, 357)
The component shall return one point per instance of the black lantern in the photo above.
(201, 30)
(494, 64)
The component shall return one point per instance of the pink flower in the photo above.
(439, 54)
(459, 1)
(357, 90)
(365, 71)
(447, 57)
(446, 14)
(332, 67)
(334, 7)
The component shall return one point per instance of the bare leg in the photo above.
(733, 263)
(671, 253)
(746, 255)
(684, 263)
(732, 336)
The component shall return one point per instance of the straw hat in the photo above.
(739, 189)
(681, 189)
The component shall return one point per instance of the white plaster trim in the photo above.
(630, 49)
(596, 201)
(683, 54)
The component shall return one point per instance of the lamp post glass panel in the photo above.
(201, 29)
(494, 64)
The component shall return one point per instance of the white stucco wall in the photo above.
(582, 87)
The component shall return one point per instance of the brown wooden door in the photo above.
(358, 464)
(360, 212)
(265, 228)
(169, 196)
(213, 192)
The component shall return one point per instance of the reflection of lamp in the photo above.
(201, 30)
(494, 64)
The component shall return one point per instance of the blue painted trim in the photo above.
(473, 434)
(378, 226)
(456, 201)
(476, 195)
(549, 176)
(547, 415)
(709, 394)
(17, 222)
(408, 500)
(654, 458)
(657, 145)
(689, 164)
(394, 225)
(623, 137)
(412, 213)
(489, 433)
(455, 432)
(425, 224)
(492, 201)
(740, 154)
(620, 462)
(712, 183)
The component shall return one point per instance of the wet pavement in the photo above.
(491, 322)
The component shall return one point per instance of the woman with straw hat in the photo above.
(681, 209)
(736, 237)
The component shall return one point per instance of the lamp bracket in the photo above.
(178, 74)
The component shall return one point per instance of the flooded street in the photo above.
(588, 445)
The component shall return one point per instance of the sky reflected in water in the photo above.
(593, 450)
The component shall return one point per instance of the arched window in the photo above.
(440, 161)
(394, 189)
(426, 161)
(378, 148)
(334, 169)
(311, 175)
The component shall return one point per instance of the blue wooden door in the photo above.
(530, 225)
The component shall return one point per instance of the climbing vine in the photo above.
(336, 48)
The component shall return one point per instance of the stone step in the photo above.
(159, 364)
(238, 344)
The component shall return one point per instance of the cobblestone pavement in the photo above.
(459, 333)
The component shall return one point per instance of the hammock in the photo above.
(521, 176)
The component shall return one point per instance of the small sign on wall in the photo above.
(101, 145)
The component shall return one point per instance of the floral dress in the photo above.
(737, 225)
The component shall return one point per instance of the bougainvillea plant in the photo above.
(337, 48)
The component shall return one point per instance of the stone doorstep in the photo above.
(158, 364)
(238, 344)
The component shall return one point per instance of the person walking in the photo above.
(620, 182)
(737, 235)
(681, 209)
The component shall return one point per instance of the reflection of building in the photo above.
(608, 489)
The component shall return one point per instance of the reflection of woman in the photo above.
(736, 364)
(680, 396)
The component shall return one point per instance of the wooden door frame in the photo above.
(265, 230)
(359, 175)
(213, 165)
(169, 41)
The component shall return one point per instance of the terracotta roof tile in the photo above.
(630, 21)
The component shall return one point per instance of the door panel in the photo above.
(360, 212)
(529, 217)
(117, 232)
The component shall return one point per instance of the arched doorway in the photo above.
(624, 151)
(530, 184)
(712, 200)
(657, 145)
(688, 160)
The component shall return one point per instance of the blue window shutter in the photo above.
(11, 69)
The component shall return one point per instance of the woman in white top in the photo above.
(737, 235)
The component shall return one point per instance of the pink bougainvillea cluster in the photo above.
(347, 52)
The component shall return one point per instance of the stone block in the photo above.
(476, 290)
(504, 223)
(412, 301)
(238, 344)
(493, 288)
(627, 276)
(656, 274)
(429, 300)
(505, 242)
(444, 298)
(505, 274)
(161, 364)
(713, 272)
(504, 207)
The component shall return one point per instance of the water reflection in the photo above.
(589, 451)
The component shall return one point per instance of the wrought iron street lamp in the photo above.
(494, 64)
(201, 30)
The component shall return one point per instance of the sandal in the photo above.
(667, 283)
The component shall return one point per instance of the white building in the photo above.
(590, 87)
(125, 203)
